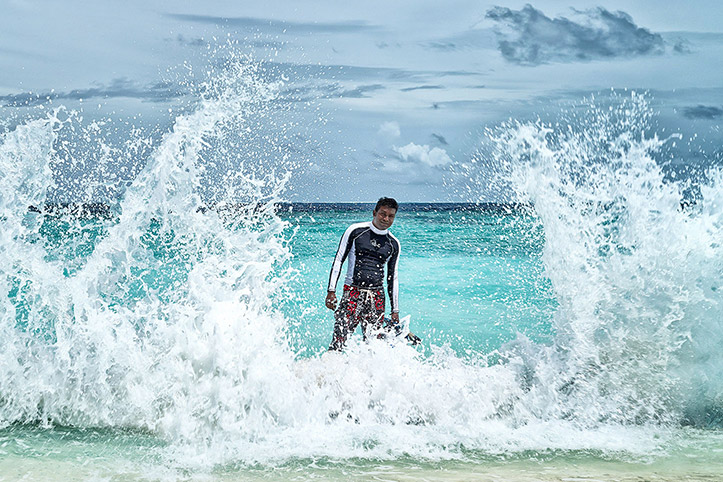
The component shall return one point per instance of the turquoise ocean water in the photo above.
(473, 275)
(182, 333)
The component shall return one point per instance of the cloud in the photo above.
(358, 92)
(470, 39)
(266, 44)
(529, 37)
(24, 54)
(278, 26)
(682, 46)
(703, 112)
(422, 87)
(440, 138)
(353, 73)
(443, 46)
(385, 45)
(433, 157)
(314, 91)
(389, 130)
(189, 42)
(122, 87)
(415, 165)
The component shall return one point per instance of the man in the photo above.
(368, 246)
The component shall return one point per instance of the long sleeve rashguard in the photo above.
(368, 249)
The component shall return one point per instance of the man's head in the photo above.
(384, 213)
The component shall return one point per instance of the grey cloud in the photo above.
(421, 76)
(25, 54)
(268, 44)
(308, 93)
(201, 42)
(472, 39)
(279, 26)
(457, 73)
(529, 37)
(703, 112)
(422, 87)
(386, 45)
(330, 71)
(443, 46)
(440, 138)
(158, 92)
(190, 42)
(682, 46)
(360, 91)
(351, 73)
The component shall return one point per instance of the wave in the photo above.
(634, 265)
(163, 318)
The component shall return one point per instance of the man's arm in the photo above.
(341, 253)
(393, 279)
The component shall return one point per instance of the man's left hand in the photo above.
(395, 317)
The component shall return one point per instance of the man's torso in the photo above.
(367, 256)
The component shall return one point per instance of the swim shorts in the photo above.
(358, 305)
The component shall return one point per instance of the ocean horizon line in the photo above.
(108, 209)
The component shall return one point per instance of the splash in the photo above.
(166, 319)
(635, 270)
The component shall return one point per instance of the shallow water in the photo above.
(69, 454)
(472, 277)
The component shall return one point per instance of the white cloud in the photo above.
(389, 130)
(432, 157)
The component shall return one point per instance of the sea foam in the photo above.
(168, 324)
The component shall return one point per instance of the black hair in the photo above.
(387, 202)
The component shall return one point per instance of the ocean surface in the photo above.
(179, 331)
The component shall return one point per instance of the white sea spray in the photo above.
(169, 324)
(635, 268)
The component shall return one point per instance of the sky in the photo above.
(396, 94)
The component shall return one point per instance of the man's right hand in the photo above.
(331, 300)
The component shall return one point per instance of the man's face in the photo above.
(384, 217)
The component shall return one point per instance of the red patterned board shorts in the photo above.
(357, 305)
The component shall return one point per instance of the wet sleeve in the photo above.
(341, 253)
(392, 278)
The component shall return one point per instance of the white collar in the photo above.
(377, 230)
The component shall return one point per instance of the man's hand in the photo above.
(395, 317)
(331, 300)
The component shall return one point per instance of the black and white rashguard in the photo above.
(368, 250)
